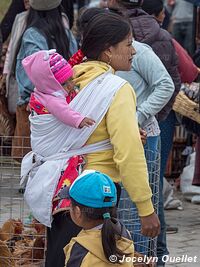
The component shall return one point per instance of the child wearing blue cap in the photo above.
(104, 241)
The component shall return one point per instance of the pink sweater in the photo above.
(48, 90)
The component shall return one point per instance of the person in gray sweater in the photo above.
(153, 87)
(182, 18)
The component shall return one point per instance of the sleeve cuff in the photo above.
(145, 208)
(79, 122)
(141, 118)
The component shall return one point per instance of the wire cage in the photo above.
(127, 211)
(22, 239)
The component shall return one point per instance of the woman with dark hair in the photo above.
(153, 87)
(107, 45)
(17, 6)
(46, 28)
(113, 146)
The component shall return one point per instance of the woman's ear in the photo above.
(108, 51)
(106, 56)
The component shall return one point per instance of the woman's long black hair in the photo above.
(109, 233)
(102, 31)
(50, 25)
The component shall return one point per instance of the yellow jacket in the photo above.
(126, 162)
(86, 250)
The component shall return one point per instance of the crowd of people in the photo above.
(91, 105)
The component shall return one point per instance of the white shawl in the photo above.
(53, 143)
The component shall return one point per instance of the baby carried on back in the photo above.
(54, 139)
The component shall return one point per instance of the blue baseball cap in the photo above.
(94, 189)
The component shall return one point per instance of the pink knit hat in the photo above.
(60, 68)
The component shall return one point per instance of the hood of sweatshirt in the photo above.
(88, 71)
(91, 240)
(145, 27)
(38, 70)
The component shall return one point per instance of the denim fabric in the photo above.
(127, 211)
(167, 128)
(182, 32)
(152, 144)
(32, 42)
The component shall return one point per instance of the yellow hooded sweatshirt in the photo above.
(126, 162)
(86, 250)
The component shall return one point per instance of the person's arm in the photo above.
(32, 42)
(7, 63)
(128, 150)
(187, 69)
(59, 108)
(7, 59)
(129, 156)
(166, 52)
(159, 82)
(16, 7)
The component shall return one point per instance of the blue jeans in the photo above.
(182, 32)
(127, 211)
(152, 143)
(167, 128)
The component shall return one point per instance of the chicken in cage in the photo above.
(22, 238)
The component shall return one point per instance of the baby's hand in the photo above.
(86, 122)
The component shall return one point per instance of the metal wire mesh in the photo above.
(22, 239)
(127, 211)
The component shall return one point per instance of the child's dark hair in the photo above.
(153, 7)
(103, 31)
(109, 232)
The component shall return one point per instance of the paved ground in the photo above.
(185, 243)
(11, 201)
